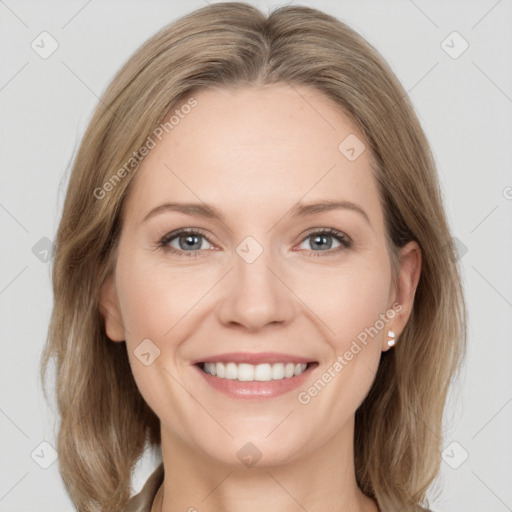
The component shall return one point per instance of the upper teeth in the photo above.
(259, 372)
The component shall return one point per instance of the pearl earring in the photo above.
(391, 334)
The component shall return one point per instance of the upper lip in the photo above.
(254, 358)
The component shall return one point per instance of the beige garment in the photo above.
(143, 501)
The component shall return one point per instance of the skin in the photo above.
(253, 153)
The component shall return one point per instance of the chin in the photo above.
(251, 449)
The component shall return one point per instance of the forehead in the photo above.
(259, 148)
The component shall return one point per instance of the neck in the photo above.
(320, 480)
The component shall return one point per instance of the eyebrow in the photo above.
(299, 210)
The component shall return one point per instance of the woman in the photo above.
(254, 272)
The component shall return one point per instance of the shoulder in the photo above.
(143, 501)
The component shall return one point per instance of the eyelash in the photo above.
(346, 242)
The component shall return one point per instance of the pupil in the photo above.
(190, 240)
(322, 240)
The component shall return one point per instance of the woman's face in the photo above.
(267, 281)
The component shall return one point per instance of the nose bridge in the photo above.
(255, 295)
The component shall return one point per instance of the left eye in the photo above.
(322, 241)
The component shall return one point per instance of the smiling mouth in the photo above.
(264, 372)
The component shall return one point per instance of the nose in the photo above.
(255, 293)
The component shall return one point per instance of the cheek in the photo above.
(155, 299)
(157, 308)
(151, 306)
(161, 308)
(352, 304)
(350, 301)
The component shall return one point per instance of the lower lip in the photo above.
(256, 390)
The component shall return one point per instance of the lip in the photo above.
(254, 358)
(255, 390)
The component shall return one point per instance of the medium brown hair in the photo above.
(105, 422)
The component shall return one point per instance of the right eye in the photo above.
(189, 241)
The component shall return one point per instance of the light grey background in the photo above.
(465, 107)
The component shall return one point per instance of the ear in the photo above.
(109, 307)
(410, 270)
